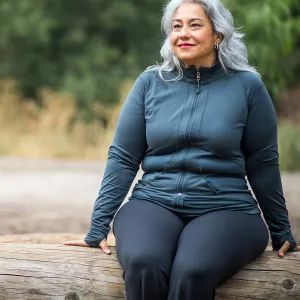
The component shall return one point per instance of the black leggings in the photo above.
(166, 258)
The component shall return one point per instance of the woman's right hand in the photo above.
(103, 245)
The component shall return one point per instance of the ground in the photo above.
(57, 197)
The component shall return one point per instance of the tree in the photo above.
(87, 48)
(272, 29)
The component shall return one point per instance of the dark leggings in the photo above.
(166, 258)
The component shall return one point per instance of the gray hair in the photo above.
(232, 52)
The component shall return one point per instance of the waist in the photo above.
(195, 161)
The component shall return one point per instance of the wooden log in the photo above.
(58, 272)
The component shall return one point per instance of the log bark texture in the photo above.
(58, 272)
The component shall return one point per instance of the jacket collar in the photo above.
(207, 74)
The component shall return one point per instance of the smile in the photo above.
(185, 45)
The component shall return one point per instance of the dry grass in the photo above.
(52, 129)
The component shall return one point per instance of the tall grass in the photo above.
(54, 130)
(51, 129)
(289, 146)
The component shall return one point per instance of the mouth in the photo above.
(185, 45)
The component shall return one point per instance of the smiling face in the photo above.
(193, 38)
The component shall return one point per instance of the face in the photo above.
(193, 38)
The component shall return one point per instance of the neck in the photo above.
(204, 63)
(208, 73)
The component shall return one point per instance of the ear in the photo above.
(219, 37)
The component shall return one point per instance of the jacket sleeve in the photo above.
(262, 165)
(124, 158)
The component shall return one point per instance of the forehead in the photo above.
(190, 10)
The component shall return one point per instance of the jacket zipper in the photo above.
(186, 153)
(198, 82)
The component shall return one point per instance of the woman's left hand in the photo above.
(284, 249)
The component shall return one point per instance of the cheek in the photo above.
(206, 43)
(205, 37)
(173, 40)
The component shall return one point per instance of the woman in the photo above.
(199, 123)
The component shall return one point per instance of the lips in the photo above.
(185, 45)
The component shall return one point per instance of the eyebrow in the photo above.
(193, 19)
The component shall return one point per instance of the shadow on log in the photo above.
(57, 272)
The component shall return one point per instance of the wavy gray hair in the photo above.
(232, 51)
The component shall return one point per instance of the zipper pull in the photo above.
(198, 82)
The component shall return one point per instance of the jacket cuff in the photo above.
(93, 241)
(279, 241)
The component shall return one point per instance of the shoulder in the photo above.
(152, 79)
(254, 88)
(148, 76)
(143, 82)
(255, 91)
(250, 80)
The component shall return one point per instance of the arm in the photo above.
(262, 166)
(124, 158)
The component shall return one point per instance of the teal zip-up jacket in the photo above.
(197, 139)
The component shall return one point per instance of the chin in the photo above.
(186, 58)
(187, 61)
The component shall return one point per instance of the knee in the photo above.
(143, 264)
(202, 274)
(137, 261)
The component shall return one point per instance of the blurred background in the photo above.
(66, 67)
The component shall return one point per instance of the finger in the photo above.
(103, 245)
(76, 243)
(283, 250)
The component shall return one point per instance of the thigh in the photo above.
(146, 231)
(220, 243)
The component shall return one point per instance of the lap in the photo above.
(220, 242)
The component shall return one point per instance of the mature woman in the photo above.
(199, 123)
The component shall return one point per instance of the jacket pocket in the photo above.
(220, 185)
(212, 186)
(151, 176)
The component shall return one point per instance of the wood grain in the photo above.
(58, 272)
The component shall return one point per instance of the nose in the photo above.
(184, 33)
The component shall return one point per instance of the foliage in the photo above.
(87, 48)
(272, 30)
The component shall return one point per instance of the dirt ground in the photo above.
(57, 197)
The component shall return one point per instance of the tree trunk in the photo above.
(58, 272)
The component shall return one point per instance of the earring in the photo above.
(217, 47)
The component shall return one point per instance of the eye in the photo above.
(176, 26)
(196, 25)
